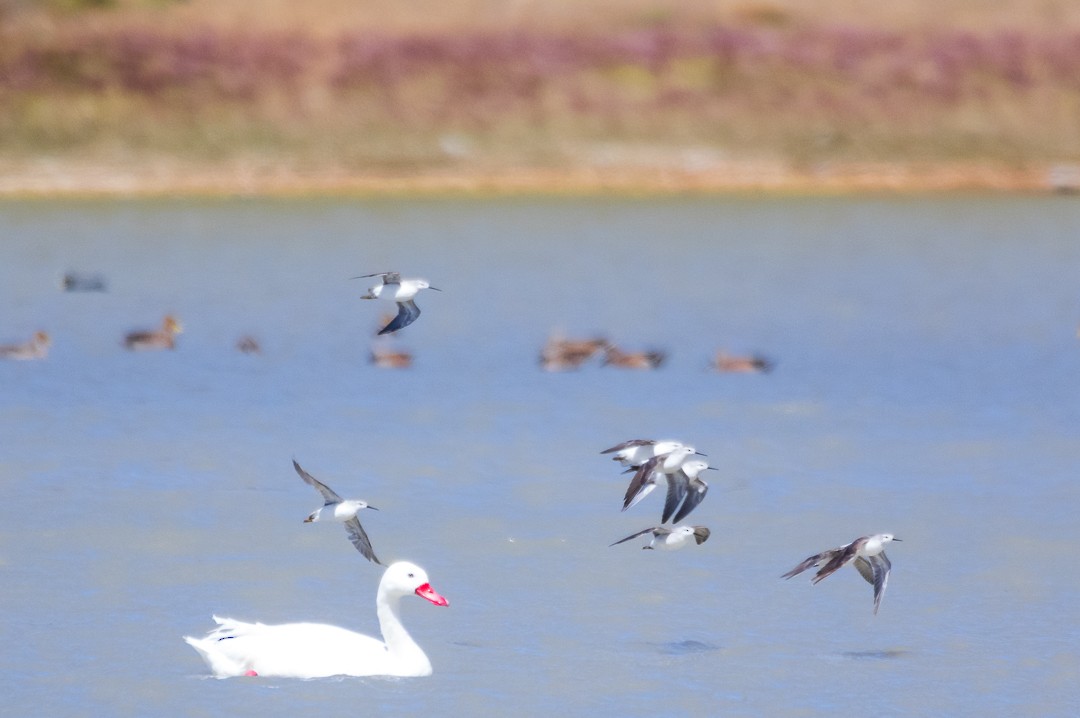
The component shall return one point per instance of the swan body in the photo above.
(316, 650)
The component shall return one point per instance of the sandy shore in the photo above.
(61, 178)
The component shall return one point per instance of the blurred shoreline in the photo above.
(72, 179)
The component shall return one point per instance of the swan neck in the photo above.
(399, 643)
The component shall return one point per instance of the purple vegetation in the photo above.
(520, 69)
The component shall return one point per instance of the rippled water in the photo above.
(925, 385)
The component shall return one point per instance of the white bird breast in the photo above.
(672, 542)
(403, 292)
(347, 509)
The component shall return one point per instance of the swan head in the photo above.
(403, 578)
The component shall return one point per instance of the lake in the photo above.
(925, 384)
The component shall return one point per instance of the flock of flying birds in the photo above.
(671, 464)
(653, 463)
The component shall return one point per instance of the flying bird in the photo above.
(649, 475)
(868, 555)
(400, 290)
(670, 539)
(635, 452)
(685, 491)
(341, 510)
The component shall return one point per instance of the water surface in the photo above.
(926, 358)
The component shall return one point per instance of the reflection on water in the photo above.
(875, 655)
(682, 648)
(925, 357)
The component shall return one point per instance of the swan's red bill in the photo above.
(426, 591)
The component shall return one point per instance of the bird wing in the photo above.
(695, 494)
(643, 482)
(840, 557)
(328, 494)
(631, 444)
(407, 314)
(865, 570)
(701, 534)
(387, 277)
(360, 539)
(677, 489)
(879, 567)
(811, 562)
(657, 530)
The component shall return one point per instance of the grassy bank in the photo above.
(758, 101)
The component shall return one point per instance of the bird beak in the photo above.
(435, 288)
(896, 539)
(711, 467)
(700, 454)
(426, 591)
(372, 507)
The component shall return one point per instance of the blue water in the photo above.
(926, 361)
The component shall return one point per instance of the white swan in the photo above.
(313, 650)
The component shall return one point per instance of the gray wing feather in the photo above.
(677, 490)
(840, 557)
(865, 570)
(807, 563)
(657, 530)
(327, 493)
(701, 534)
(360, 539)
(387, 277)
(407, 314)
(695, 495)
(882, 567)
(642, 477)
(632, 443)
(812, 562)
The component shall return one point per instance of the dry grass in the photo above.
(605, 94)
(328, 17)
